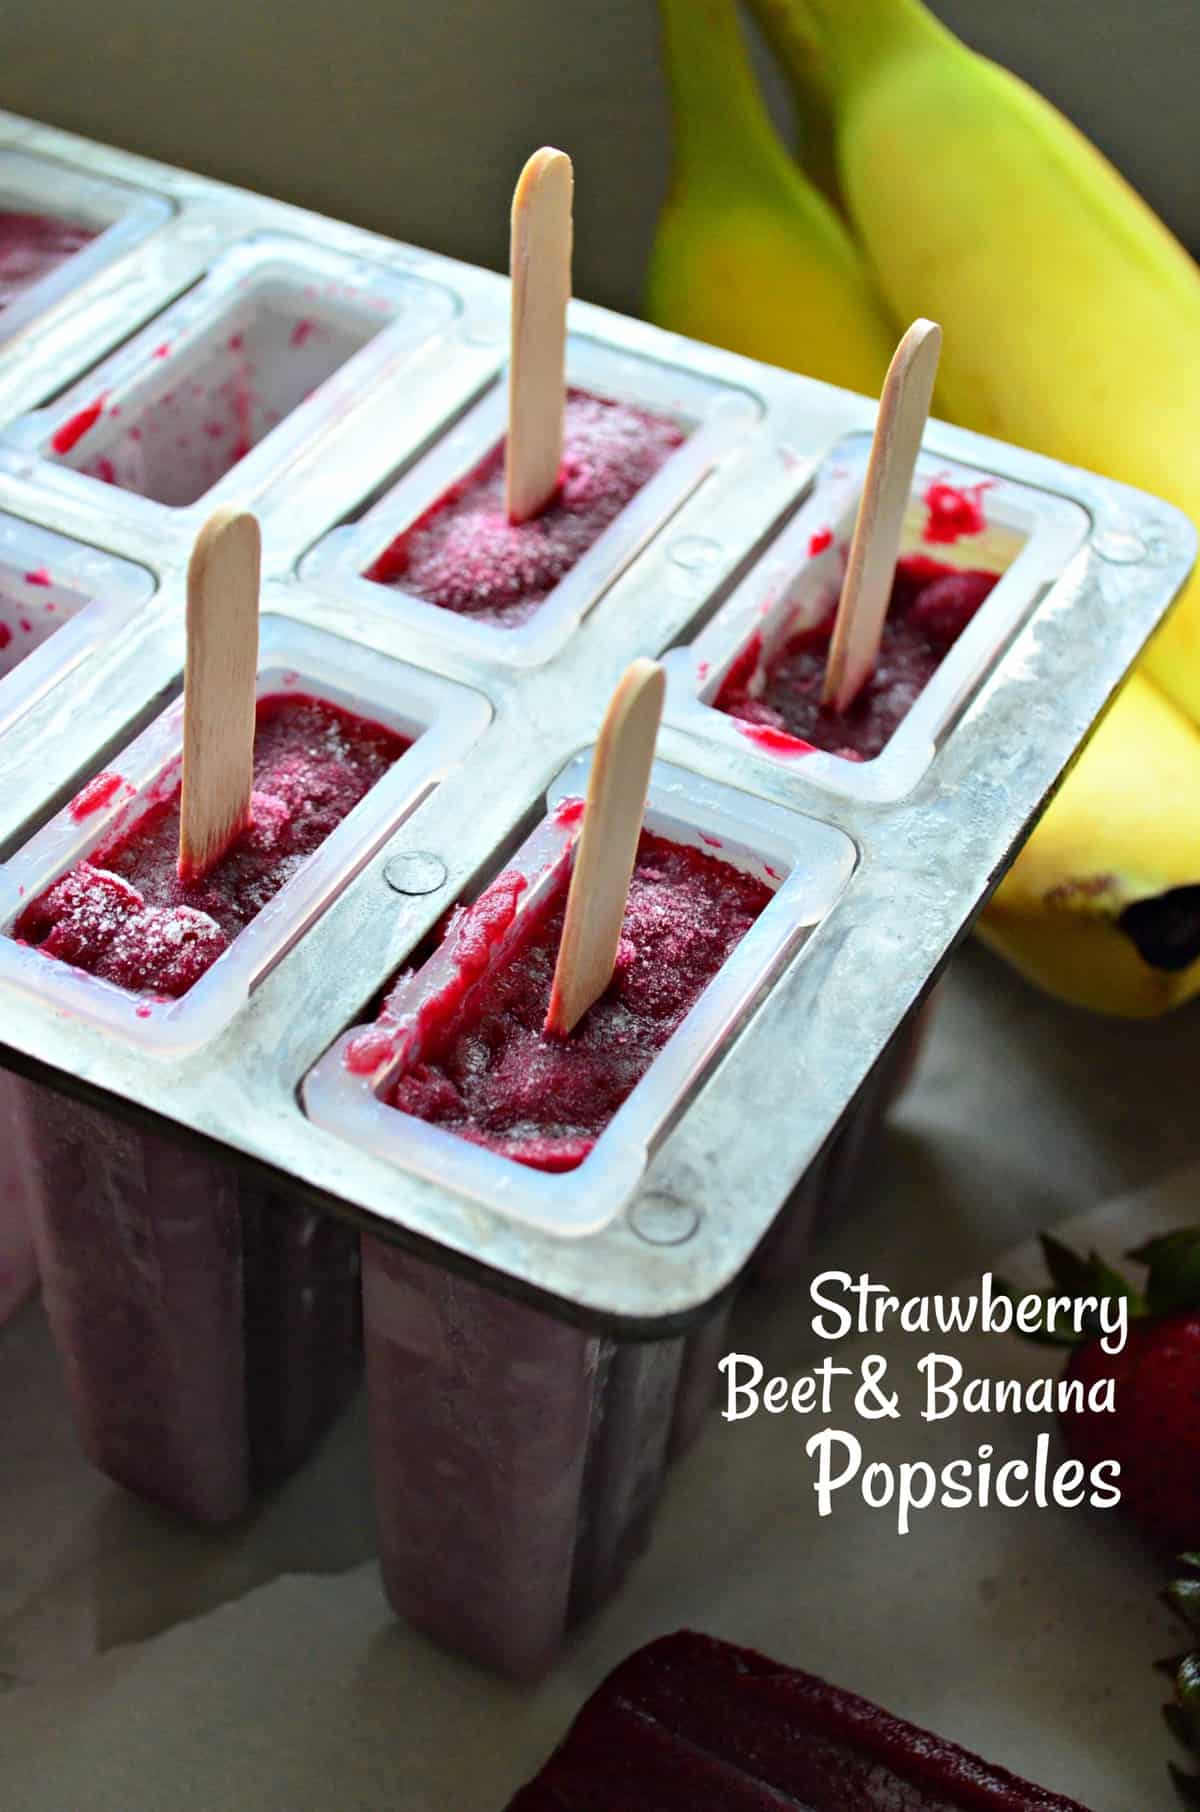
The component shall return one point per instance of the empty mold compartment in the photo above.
(977, 555)
(438, 551)
(59, 600)
(58, 227)
(348, 745)
(704, 936)
(221, 391)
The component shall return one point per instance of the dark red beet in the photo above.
(931, 605)
(490, 1074)
(465, 555)
(124, 914)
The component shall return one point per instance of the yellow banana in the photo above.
(1102, 906)
(1071, 315)
(748, 253)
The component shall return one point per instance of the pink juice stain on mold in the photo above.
(953, 512)
(39, 576)
(776, 742)
(302, 332)
(5, 635)
(76, 426)
(820, 541)
(96, 793)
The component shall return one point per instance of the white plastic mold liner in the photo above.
(220, 392)
(59, 600)
(714, 416)
(115, 213)
(1028, 537)
(806, 863)
(442, 717)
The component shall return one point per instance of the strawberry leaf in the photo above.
(1068, 1272)
(1174, 1261)
(1106, 1282)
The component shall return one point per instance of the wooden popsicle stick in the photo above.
(540, 265)
(219, 689)
(875, 545)
(607, 848)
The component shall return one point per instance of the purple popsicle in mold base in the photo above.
(207, 1328)
(518, 1460)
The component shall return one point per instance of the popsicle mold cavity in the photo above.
(464, 555)
(457, 1080)
(125, 914)
(438, 549)
(224, 387)
(219, 395)
(692, 1721)
(778, 698)
(486, 1068)
(58, 226)
(93, 914)
(59, 600)
(976, 555)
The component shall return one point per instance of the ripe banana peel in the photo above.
(1102, 906)
(748, 253)
(1071, 315)
(1072, 325)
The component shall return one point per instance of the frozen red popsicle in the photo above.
(517, 1460)
(931, 604)
(125, 915)
(464, 554)
(31, 246)
(486, 1069)
(207, 1328)
(690, 1721)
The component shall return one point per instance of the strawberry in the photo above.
(1154, 1433)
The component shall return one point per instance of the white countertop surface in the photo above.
(149, 1667)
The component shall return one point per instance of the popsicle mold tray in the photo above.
(339, 383)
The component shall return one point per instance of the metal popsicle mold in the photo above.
(926, 860)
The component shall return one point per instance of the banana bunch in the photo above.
(1072, 326)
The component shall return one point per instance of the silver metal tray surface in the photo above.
(925, 863)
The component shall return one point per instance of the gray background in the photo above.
(413, 117)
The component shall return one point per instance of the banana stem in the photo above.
(720, 117)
